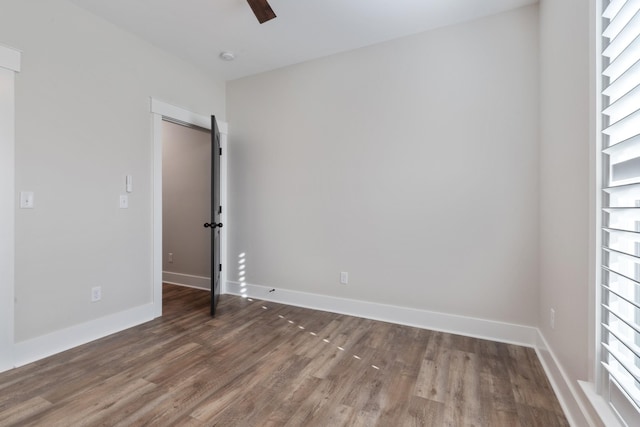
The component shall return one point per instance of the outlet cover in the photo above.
(344, 277)
(26, 200)
(96, 293)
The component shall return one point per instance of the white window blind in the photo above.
(620, 199)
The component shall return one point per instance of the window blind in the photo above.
(620, 286)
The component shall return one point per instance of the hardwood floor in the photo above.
(266, 364)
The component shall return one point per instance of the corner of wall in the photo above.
(570, 398)
(469, 326)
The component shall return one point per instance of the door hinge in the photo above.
(219, 267)
(220, 209)
(220, 150)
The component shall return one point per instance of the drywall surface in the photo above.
(411, 165)
(186, 200)
(82, 124)
(564, 181)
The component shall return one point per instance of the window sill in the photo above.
(607, 415)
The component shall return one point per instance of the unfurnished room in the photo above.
(320, 213)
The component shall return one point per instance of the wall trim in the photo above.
(566, 391)
(56, 342)
(188, 280)
(9, 65)
(178, 113)
(462, 325)
(571, 401)
(600, 405)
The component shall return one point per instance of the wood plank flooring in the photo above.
(267, 364)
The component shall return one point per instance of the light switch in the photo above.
(124, 202)
(26, 200)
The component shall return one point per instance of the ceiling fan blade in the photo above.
(262, 10)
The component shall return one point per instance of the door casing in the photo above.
(9, 66)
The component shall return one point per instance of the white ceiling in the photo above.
(198, 30)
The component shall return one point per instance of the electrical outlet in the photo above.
(26, 200)
(170, 260)
(552, 318)
(96, 293)
(344, 277)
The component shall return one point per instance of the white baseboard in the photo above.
(188, 280)
(469, 326)
(56, 342)
(568, 395)
(567, 392)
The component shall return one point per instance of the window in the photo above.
(620, 199)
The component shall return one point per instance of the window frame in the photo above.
(598, 375)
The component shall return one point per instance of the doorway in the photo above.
(186, 205)
(163, 112)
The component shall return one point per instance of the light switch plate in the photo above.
(124, 202)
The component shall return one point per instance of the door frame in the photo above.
(160, 110)
(10, 60)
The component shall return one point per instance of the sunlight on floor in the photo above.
(314, 334)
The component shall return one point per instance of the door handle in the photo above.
(213, 225)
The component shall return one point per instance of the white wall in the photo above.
(566, 283)
(83, 123)
(186, 200)
(564, 180)
(413, 165)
